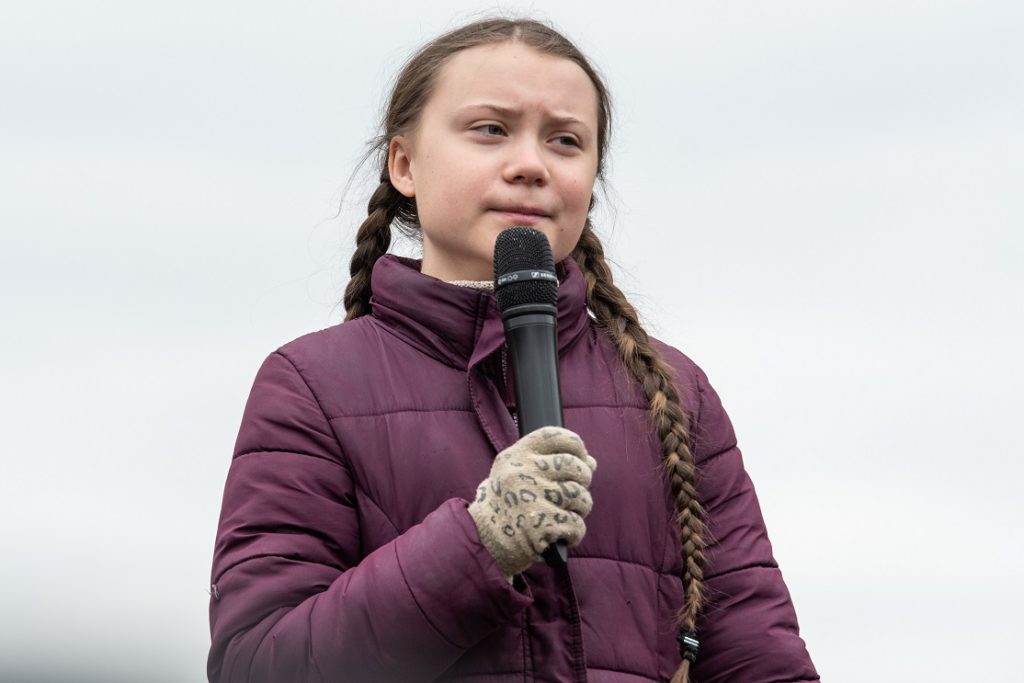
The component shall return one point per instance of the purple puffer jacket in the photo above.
(346, 552)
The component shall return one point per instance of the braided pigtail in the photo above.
(372, 242)
(618, 317)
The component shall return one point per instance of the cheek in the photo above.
(578, 194)
(448, 199)
(455, 182)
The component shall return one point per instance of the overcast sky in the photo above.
(819, 202)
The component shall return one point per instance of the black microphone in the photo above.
(526, 288)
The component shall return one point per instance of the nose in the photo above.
(526, 165)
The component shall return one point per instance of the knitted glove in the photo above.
(536, 494)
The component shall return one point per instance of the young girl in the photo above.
(383, 521)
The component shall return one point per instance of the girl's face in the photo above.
(508, 137)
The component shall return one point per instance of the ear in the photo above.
(400, 165)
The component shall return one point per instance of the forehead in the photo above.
(512, 74)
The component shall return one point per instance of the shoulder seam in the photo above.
(319, 404)
(715, 456)
(753, 565)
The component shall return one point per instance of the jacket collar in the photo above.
(458, 325)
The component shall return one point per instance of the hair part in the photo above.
(388, 207)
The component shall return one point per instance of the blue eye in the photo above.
(572, 140)
(491, 128)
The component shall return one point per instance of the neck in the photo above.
(449, 267)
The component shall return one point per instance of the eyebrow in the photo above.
(515, 113)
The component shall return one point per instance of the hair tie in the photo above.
(688, 645)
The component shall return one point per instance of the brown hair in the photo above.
(613, 312)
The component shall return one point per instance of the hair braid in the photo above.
(616, 315)
(372, 242)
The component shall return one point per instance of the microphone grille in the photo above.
(524, 249)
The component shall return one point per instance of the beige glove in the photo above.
(535, 495)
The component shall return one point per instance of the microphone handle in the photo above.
(532, 339)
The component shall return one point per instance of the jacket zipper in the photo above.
(505, 385)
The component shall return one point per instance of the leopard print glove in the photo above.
(535, 495)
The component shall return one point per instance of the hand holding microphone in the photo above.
(526, 289)
(535, 495)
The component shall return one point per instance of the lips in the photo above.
(521, 215)
(512, 218)
(522, 211)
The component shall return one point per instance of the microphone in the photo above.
(526, 288)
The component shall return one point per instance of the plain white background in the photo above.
(819, 202)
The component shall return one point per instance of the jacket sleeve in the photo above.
(292, 596)
(748, 628)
